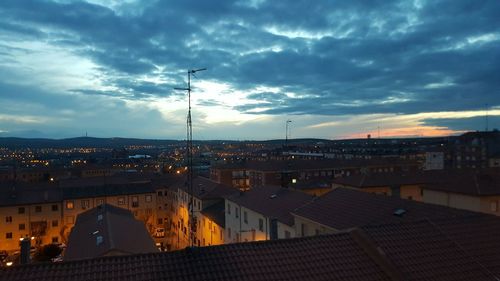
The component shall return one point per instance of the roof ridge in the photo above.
(376, 253)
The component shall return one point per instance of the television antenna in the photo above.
(189, 156)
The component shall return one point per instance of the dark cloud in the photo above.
(478, 123)
(341, 57)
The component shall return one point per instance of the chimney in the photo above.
(25, 250)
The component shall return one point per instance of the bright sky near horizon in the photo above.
(337, 69)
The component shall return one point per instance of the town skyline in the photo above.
(338, 71)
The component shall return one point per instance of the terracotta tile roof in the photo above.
(403, 251)
(272, 201)
(204, 188)
(477, 236)
(344, 208)
(422, 252)
(484, 181)
(119, 231)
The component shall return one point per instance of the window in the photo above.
(302, 230)
(261, 225)
(160, 193)
(85, 204)
(236, 213)
(410, 197)
(8, 219)
(55, 239)
(493, 206)
(149, 198)
(135, 201)
(121, 200)
(38, 209)
(70, 205)
(160, 221)
(21, 210)
(55, 223)
(229, 232)
(99, 240)
(8, 235)
(228, 208)
(55, 208)
(287, 234)
(99, 201)
(245, 216)
(22, 226)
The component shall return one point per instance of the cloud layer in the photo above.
(109, 67)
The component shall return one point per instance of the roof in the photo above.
(344, 208)
(215, 213)
(484, 181)
(401, 251)
(117, 228)
(272, 201)
(319, 164)
(204, 188)
(13, 194)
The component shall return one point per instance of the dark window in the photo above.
(38, 209)
(55, 208)
(20, 210)
(55, 239)
(8, 235)
(22, 226)
(160, 193)
(245, 216)
(8, 219)
(55, 223)
(261, 224)
(160, 221)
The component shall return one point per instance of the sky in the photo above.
(335, 69)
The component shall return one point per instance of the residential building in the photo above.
(262, 213)
(344, 208)
(107, 230)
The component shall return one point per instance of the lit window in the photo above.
(121, 200)
(70, 205)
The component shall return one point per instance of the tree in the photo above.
(47, 253)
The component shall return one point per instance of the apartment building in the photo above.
(207, 228)
(262, 213)
(246, 175)
(47, 211)
(29, 212)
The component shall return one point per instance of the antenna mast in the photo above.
(189, 155)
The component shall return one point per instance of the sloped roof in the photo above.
(119, 230)
(344, 208)
(402, 251)
(272, 201)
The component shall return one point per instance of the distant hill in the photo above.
(85, 142)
